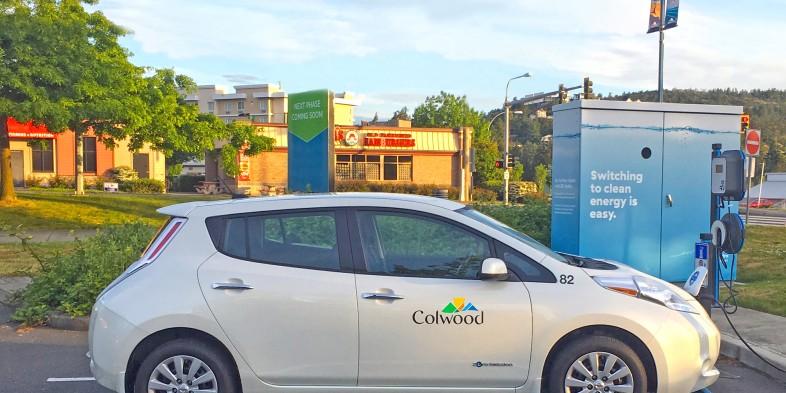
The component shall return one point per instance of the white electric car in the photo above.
(382, 293)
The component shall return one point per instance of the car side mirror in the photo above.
(493, 269)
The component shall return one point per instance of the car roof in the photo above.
(329, 199)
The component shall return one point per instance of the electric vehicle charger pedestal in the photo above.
(631, 179)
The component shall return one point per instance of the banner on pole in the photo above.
(656, 18)
(672, 10)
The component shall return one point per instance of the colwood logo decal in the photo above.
(457, 312)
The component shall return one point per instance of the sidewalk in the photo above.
(766, 333)
(52, 235)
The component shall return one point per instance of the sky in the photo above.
(392, 54)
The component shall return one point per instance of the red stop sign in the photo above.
(753, 142)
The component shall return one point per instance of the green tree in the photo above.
(448, 110)
(401, 114)
(542, 177)
(177, 129)
(62, 67)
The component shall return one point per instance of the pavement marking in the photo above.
(77, 379)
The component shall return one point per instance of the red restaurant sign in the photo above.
(388, 140)
(27, 130)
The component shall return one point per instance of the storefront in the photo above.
(38, 156)
(369, 153)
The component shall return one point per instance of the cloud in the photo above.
(566, 39)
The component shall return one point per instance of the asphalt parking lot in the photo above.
(53, 361)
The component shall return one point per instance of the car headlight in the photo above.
(648, 289)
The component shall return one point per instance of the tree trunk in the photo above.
(79, 179)
(7, 192)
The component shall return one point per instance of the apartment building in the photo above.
(259, 103)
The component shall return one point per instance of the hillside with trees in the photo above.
(766, 107)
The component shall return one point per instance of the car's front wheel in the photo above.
(185, 366)
(597, 364)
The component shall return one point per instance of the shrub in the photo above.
(480, 194)
(143, 186)
(395, 187)
(123, 173)
(33, 181)
(61, 182)
(533, 217)
(71, 282)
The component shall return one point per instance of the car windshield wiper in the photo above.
(573, 260)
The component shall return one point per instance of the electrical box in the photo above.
(632, 180)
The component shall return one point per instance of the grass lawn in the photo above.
(762, 270)
(16, 261)
(60, 209)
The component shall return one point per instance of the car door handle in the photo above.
(383, 296)
(231, 285)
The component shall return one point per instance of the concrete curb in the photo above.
(62, 321)
(732, 347)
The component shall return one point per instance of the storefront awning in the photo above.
(27, 130)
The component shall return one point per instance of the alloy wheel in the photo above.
(182, 374)
(599, 372)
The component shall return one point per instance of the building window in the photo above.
(211, 106)
(263, 106)
(398, 168)
(43, 157)
(89, 154)
(229, 107)
(370, 167)
(357, 167)
(241, 106)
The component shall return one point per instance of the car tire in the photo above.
(565, 374)
(214, 370)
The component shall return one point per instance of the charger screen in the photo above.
(718, 168)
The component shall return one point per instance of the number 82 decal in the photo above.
(566, 279)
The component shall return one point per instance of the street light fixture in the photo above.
(506, 175)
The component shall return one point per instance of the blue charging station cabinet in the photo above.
(631, 180)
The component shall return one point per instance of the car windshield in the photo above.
(480, 217)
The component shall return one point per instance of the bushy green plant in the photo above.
(61, 182)
(480, 194)
(532, 217)
(33, 181)
(395, 187)
(123, 173)
(143, 186)
(71, 282)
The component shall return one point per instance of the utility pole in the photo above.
(506, 175)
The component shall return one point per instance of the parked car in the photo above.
(763, 203)
(375, 292)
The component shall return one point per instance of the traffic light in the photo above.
(499, 164)
(511, 161)
(588, 89)
(563, 94)
(745, 122)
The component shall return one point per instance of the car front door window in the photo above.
(403, 244)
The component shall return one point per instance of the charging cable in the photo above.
(733, 298)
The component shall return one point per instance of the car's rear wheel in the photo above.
(597, 364)
(185, 366)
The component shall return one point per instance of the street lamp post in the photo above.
(506, 175)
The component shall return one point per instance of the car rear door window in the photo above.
(405, 244)
(306, 240)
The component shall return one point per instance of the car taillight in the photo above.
(163, 238)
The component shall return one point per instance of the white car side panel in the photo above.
(295, 327)
(397, 351)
